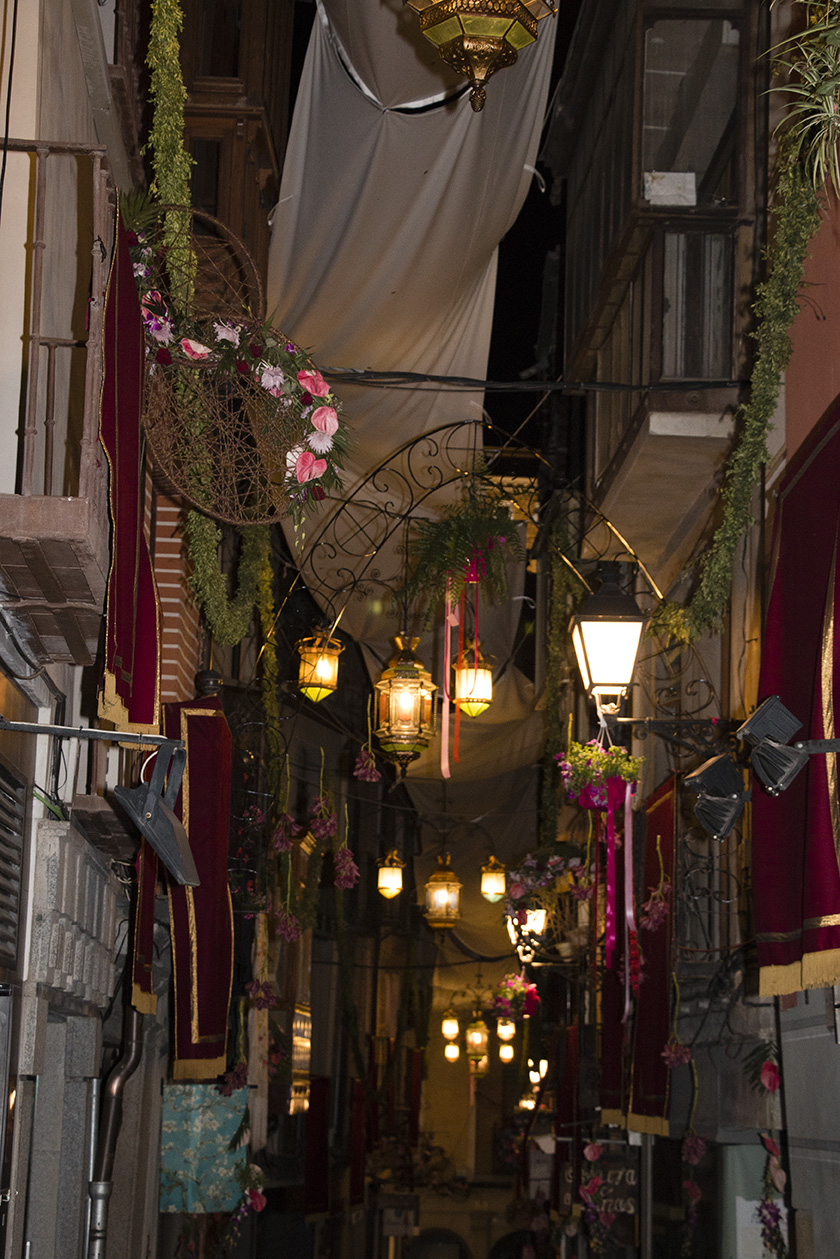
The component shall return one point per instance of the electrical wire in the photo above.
(7, 121)
(468, 384)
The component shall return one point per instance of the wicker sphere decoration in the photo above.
(238, 419)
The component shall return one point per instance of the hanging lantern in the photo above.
(473, 681)
(506, 1052)
(524, 936)
(505, 1029)
(405, 705)
(477, 1037)
(443, 896)
(479, 1066)
(318, 670)
(451, 1051)
(493, 881)
(450, 1026)
(478, 37)
(389, 879)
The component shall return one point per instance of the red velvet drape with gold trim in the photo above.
(796, 836)
(650, 1095)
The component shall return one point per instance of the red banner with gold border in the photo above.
(796, 836)
(650, 1100)
(130, 695)
(201, 918)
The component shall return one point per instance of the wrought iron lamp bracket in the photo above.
(700, 736)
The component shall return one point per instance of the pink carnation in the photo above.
(516, 891)
(314, 383)
(592, 1151)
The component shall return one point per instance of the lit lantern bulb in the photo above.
(506, 1052)
(451, 1051)
(505, 1029)
(449, 1026)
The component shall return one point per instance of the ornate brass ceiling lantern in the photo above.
(405, 705)
(390, 879)
(443, 895)
(478, 37)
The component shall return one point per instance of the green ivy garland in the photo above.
(227, 618)
(797, 218)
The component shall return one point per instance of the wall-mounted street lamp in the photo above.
(318, 668)
(606, 632)
(526, 937)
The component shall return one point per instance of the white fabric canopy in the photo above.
(383, 256)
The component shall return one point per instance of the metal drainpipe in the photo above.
(111, 1105)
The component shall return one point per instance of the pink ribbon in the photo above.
(450, 620)
(614, 794)
(629, 915)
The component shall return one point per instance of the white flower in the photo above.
(292, 457)
(272, 378)
(321, 442)
(226, 332)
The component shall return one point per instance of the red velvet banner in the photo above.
(650, 1092)
(129, 695)
(316, 1191)
(796, 836)
(201, 918)
(357, 1144)
(142, 974)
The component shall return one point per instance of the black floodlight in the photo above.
(150, 808)
(771, 720)
(767, 731)
(720, 795)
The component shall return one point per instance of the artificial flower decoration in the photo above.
(587, 767)
(515, 998)
(769, 1076)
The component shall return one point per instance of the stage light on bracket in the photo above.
(720, 795)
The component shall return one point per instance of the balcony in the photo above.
(54, 531)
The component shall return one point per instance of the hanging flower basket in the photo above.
(240, 421)
(586, 769)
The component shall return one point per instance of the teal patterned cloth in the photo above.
(198, 1173)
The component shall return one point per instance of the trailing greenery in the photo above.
(171, 163)
(796, 220)
(228, 618)
(811, 62)
(472, 542)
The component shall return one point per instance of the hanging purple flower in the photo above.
(656, 909)
(693, 1149)
(365, 768)
(677, 1055)
(346, 870)
(285, 833)
(287, 926)
(324, 827)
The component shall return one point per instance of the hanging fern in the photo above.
(228, 619)
(473, 541)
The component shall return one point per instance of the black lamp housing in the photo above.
(720, 795)
(767, 732)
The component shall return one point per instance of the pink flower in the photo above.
(777, 1174)
(770, 1076)
(531, 1001)
(226, 332)
(770, 1145)
(365, 768)
(516, 891)
(256, 1200)
(693, 1149)
(325, 419)
(592, 1151)
(692, 1189)
(588, 1188)
(607, 1218)
(314, 383)
(346, 870)
(272, 378)
(308, 468)
(194, 349)
(676, 1054)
